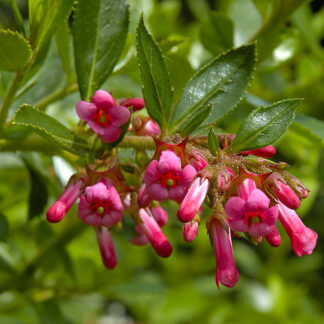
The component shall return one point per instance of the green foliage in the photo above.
(265, 125)
(14, 51)
(49, 128)
(99, 32)
(221, 83)
(157, 89)
(213, 143)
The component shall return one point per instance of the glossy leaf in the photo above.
(157, 89)
(222, 83)
(213, 143)
(99, 34)
(264, 125)
(49, 128)
(216, 33)
(14, 51)
(195, 120)
(44, 17)
(62, 38)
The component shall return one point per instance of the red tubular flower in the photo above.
(250, 212)
(226, 272)
(197, 161)
(277, 185)
(103, 116)
(106, 246)
(101, 205)
(160, 215)
(265, 152)
(190, 231)
(193, 200)
(62, 205)
(303, 239)
(136, 103)
(143, 199)
(154, 234)
(273, 238)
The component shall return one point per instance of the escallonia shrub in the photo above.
(247, 194)
(197, 167)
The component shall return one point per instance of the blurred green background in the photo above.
(53, 273)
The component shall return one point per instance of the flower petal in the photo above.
(169, 162)
(112, 218)
(186, 175)
(103, 100)
(257, 201)
(157, 192)
(85, 110)
(97, 192)
(177, 193)
(114, 199)
(119, 115)
(152, 173)
(111, 134)
(235, 208)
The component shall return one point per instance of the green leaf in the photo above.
(264, 125)
(49, 128)
(216, 33)
(310, 127)
(213, 143)
(38, 193)
(4, 227)
(157, 89)
(195, 120)
(99, 34)
(19, 22)
(222, 83)
(14, 51)
(62, 38)
(45, 16)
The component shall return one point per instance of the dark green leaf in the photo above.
(216, 33)
(222, 83)
(49, 128)
(18, 18)
(38, 193)
(195, 120)
(213, 143)
(157, 89)
(264, 125)
(310, 127)
(45, 16)
(62, 38)
(4, 227)
(99, 33)
(14, 51)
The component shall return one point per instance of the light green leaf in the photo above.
(264, 125)
(221, 83)
(99, 34)
(45, 16)
(310, 127)
(14, 51)
(216, 33)
(157, 89)
(49, 128)
(213, 143)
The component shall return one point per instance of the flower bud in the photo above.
(197, 161)
(160, 215)
(143, 199)
(106, 247)
(136, 103)
(190, 231)
(299, 188)
(62, 205)
(273, 238)
(265, 152)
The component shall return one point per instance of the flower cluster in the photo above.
(246, 197)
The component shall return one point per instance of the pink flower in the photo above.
(106, 247)
(266, 151)
(165, 179)
(154, 234)
(250, 212)
(141, 238)
(197, 161)
(136, 103)
(193, 200)
(276, 185)
(101, 205)
(223, 179)
(226, 272)
(103, 116)
(303, 239)
(149, 128)
(273, 237)
(62, 205)
(160, 215)
(190, 231)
